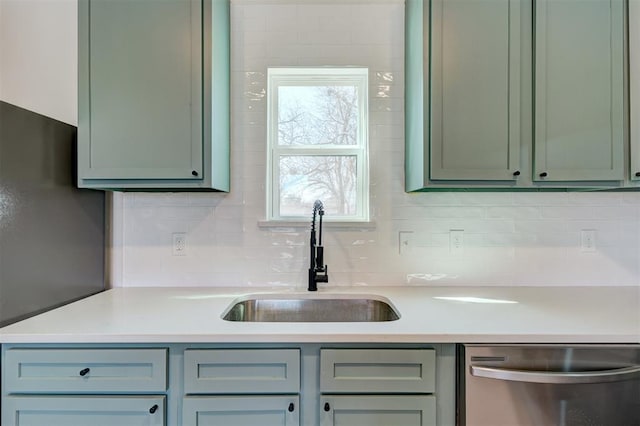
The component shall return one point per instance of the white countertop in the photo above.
(180, 315)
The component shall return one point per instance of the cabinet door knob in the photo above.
(153, 409)
(327, 407)
(637, 174)
(516, 173)
(84, 371)
(194, 173)
(291, 407)
(543, 174)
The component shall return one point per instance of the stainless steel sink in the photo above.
(267, 308)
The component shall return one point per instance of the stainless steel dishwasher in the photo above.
(548, 385)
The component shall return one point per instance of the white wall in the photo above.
(510, 238)
(38, 56)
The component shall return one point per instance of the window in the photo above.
(317, 143)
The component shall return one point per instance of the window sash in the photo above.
(360, 213)
(317, 77)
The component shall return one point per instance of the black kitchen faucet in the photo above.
(317, 269)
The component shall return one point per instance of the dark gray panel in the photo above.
(51, 233)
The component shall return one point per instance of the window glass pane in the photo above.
(317, 115)
(306, 178)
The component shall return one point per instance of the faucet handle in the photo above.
(324, 278)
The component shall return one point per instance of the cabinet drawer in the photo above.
(84, 410)
(269, 410)
(233, 371)
(85, 370)
(377, 370)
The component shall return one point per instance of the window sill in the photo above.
(345, 225)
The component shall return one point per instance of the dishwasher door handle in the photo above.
(557, 378)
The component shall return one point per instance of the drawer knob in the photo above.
(543, 174)
(153, 409)
(637, 174)
(516, 173)
(194, 173)
(84, 371)
(291, 407)
(327, 407)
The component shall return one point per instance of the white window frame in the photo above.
(301, 76)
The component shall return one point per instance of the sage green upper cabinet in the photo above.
(518, 95)
(634, 85)
(153, 94)
(475, 89)
(463, 77)
(579, 90)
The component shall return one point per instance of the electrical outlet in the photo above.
(179, 247)
(588, 240)
(405, 241)
(456, 241)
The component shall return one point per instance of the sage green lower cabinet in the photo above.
(228, 384)
(405, 410)
(83, 411)
(235, 387)
(378, 387)
(241, 411)
(80, 386)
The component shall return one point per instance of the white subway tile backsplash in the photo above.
(204, 199)
(595, 198)
(519, 238)
(540, 198)
(508, 240)
(515, 212)
(631, 198)
(448, 212)
(311, 39)
(386, 104)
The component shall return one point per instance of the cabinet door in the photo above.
(145, 85)
(475, 90)
(579, 90)
(147, 117)
(83, 411)
(634, 85)
(241, 411)
(377, 410)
